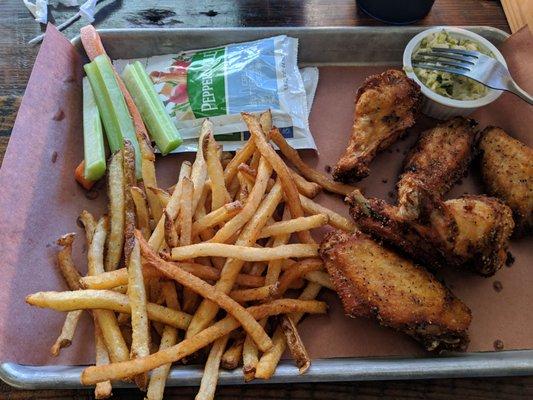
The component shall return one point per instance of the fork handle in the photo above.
(517, 90)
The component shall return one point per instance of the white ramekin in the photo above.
(441, 107)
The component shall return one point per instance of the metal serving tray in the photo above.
(318, 46)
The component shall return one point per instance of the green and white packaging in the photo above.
(220, 83)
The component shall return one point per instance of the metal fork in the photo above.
(472, 64)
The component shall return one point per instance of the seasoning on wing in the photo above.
(507, 169)
(374, 282)
(385, 106)
(439, 158)
(471, 232)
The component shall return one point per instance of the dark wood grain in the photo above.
(16, 59)
(438, 389)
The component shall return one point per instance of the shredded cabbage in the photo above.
(450, 85)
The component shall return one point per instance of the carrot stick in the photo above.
(80, 177)
(93, 47)
(91, 42)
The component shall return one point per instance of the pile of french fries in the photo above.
(199, 268)
(158, 276)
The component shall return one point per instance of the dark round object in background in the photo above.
(396, 11)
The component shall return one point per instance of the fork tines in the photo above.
(440, 67)
(448, 60)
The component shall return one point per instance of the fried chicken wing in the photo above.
(439, 158)
(374, 282)
(507, 170)
(385, 106)
(471, 232)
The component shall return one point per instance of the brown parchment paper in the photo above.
(39, 201)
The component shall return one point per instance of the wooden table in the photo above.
(16, 60)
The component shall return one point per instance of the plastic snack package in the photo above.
(221, 82)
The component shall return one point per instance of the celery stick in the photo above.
(93, 136)
(112, 106)
(161, 128)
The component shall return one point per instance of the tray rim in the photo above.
(479, 364)
(457, 365)
(497, 34)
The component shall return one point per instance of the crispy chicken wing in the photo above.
(375, 282)
(438, 159)
(507, 169)
(471, 232)
(385, 106)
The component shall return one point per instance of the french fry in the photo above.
(71, 274)
(171, 233)
(199, 167)
(245, 171)
(67, 332)
(298, 270)
(105, 300)
(287, 181)
(241, 157)
(250, 174)
(261, 293)
(243, 252)
(254, 162)
(274, 266)
(253, 201)
(216, 217)
(335, 220)
(186, 212)
(308, 172)
(190, 298)
(245, 188)
(209, 381)
(115, 192)
(294, 225)
(320, 277)
(210, 273)
(250, 350)
(120, 370)
(265, 119)
(250, 356)
(102, 389)
(162, 196)
(172, 208)
(207, 291)
(269, 360)
(308, 189)
(115, 344)
(156, 206)
(169, 338)
(234, 188)
(140, 338)
(204, 234)
(232, 356)
(89, 223)
(109, 280)
(129, 206)
(219, 193)
(295, 344)
(65, 263)
(116, 278)
(141, 211)
(121, 289)
(207, 310)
